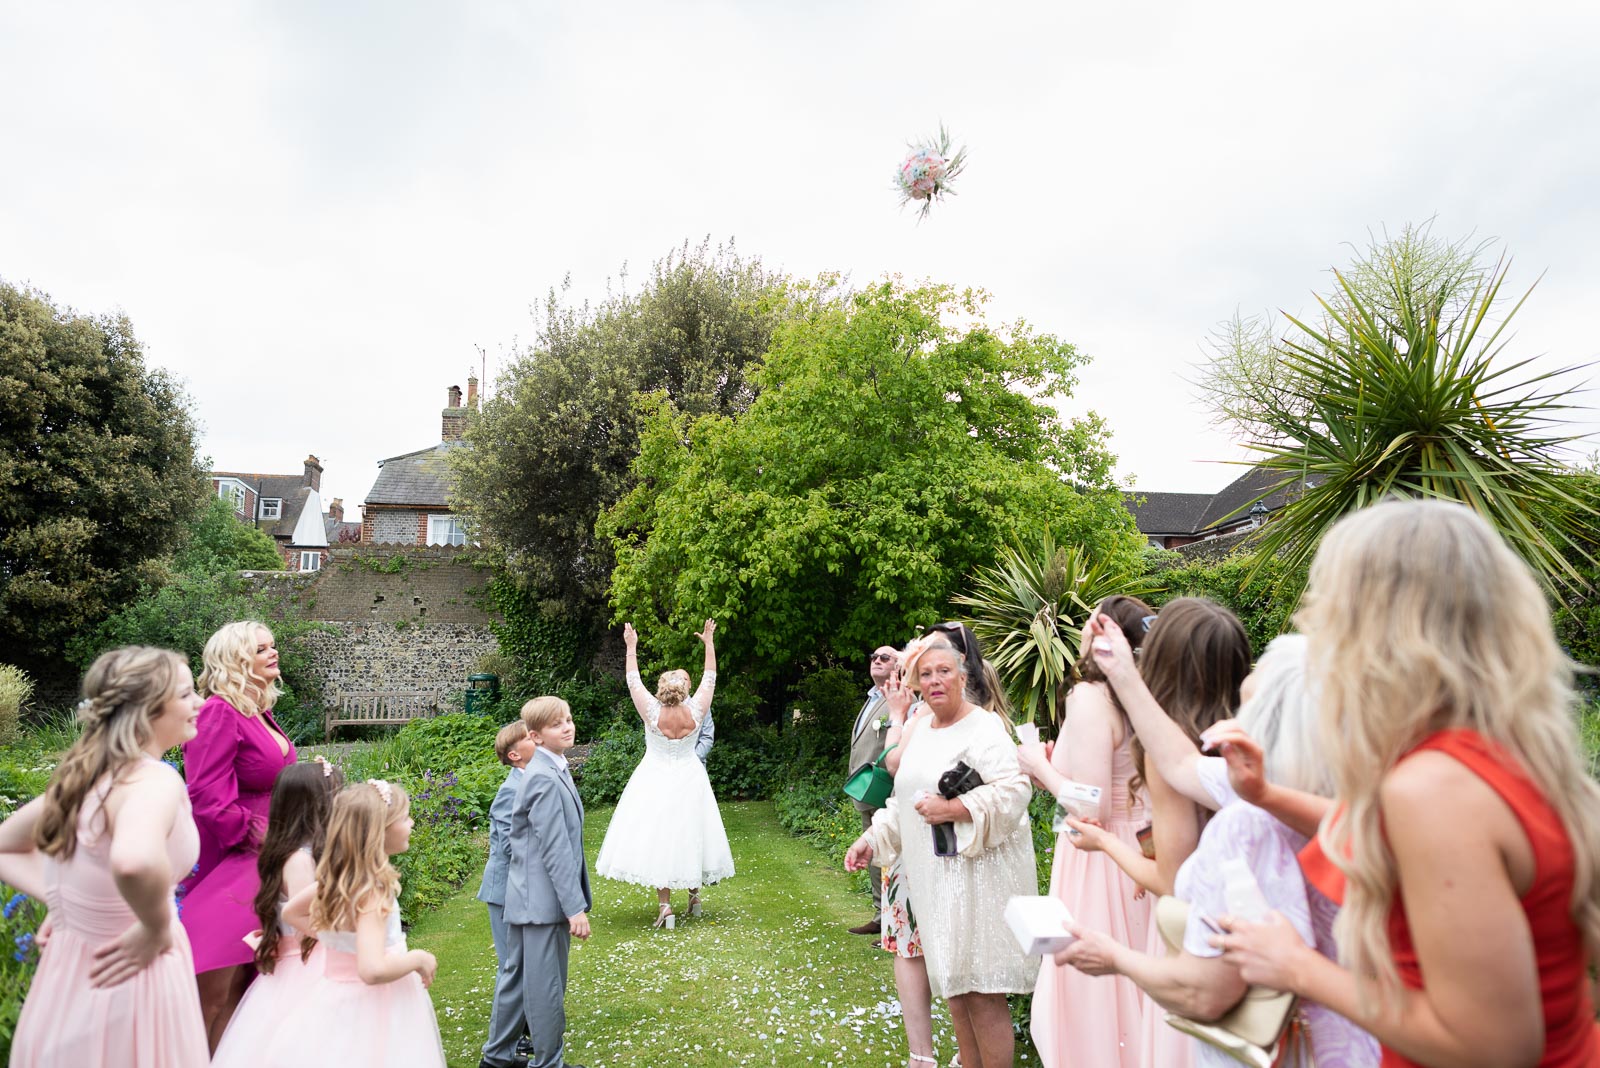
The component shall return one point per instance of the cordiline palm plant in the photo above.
(1028, 610)
(1406, 400)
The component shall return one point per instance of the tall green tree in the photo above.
(888, 454)
(98, 473)
(1404, 385)
(555, 444)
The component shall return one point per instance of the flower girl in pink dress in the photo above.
(372, 1004)
(115, 985)
(289, 963)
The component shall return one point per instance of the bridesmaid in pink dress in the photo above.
(115, 983)
(1078, 1019)
(230, 766)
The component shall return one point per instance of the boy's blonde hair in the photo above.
(509, 735)
(543, 712)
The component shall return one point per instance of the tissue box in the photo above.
(1037, 924)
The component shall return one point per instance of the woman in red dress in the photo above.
(1465, 840)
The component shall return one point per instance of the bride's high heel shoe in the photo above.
(694, 903)
(665, 918)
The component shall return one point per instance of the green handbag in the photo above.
(871, 783)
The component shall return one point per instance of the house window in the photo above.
(232, 491)
(310, 561)
(271, 507)
(446, 530)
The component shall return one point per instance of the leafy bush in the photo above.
(1257, 602)
(15, 689)
(610, 762)
(449, 843)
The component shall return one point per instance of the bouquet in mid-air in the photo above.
(928, 171)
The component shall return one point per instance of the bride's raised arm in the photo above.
(708, 675)
(641, 696)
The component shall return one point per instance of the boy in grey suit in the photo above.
(513, 745)
(547, 883)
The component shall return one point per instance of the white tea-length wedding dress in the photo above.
(666, 830)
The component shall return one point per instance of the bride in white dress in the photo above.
(666, 831)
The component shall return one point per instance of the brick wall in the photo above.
(398, 617)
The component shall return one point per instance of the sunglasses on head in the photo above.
(953, 631)
(1148, 621)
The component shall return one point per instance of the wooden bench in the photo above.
(359, 708)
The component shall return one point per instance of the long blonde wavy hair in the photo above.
(1420, 618)
(122, 691)
(354, 873)
(228, 674)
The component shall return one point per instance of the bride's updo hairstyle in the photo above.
(672, 688)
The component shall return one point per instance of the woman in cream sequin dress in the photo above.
(972, 959)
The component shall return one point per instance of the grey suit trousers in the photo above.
(544, 988)
(505, 1013)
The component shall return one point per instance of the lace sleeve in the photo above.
(643, 700)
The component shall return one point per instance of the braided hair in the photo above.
(122, 691)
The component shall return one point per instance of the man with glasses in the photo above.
(866, 745)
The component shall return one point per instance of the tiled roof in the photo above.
(1167, 513)
(421, 478)
(1196, 513)
(291, 489)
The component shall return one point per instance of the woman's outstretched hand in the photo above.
(630, 637)
(859, 855)
(707, 631)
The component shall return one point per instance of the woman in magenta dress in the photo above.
(115, 984)
(230, 766)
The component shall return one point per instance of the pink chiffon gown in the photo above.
(230, 765)
(1079, 1019)
(149, 1021)
(273, 998)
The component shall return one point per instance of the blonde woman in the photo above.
(230, 766)
(666, 831)
(1465, 841)
(105, 845)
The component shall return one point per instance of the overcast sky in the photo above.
(314, 213)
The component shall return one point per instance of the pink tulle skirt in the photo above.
(1080, 1019)
(150, 1021)
(272, 999)
(341, 1022)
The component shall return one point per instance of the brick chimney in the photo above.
(336, 509)
(472, 393)
(455, 417)
(314, 473)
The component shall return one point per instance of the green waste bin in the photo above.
(482, 689)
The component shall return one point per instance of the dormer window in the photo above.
(272, 508)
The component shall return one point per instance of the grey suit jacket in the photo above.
(708, 734)
(493, 889)
(866, 741)
(548, 880)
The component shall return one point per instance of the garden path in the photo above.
(767, 975)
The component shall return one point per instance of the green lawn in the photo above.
(767, 975)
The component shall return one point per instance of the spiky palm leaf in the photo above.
(1027, 611)
(1393, 402)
